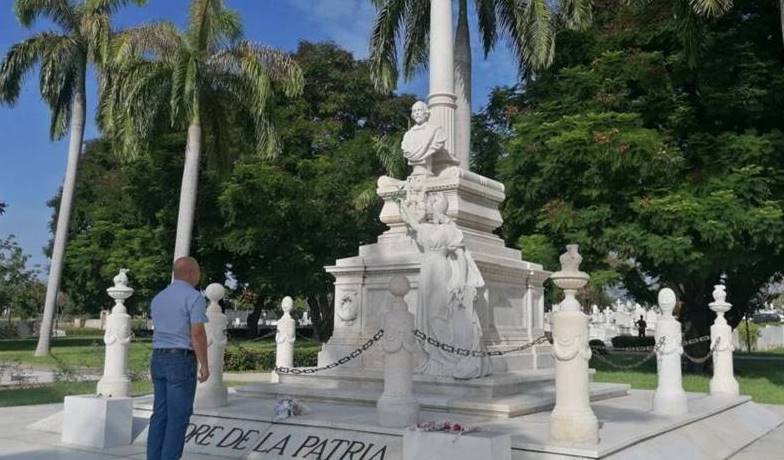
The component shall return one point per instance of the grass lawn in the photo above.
(88, 352)
(761, 379)
(57, 391)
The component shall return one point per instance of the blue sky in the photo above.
(32, 167)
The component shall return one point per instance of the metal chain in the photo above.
(704, 338)
(652, 352)
(704, 358)
(353, 355)
(422, 337)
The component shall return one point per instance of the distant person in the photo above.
(179, 342)
(641, 326)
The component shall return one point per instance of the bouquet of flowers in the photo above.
(288, 407)
(444, 426)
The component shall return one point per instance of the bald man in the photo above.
(179, 342)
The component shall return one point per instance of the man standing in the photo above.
(178, 341)
(641, 326)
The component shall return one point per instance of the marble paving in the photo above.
(624, 421)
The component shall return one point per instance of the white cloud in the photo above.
(347, 22)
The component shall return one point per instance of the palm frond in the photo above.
(488, 23)
(390, 154)
(711, 8)
(160, 39)
(690, 29)
(211, 25)
(108, 7)
(538, 35)
(577, 14)
(61, 12)
(20, 59)
(383, 45)
(417, 31)
(97, 30)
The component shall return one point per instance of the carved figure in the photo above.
(449, 285)
(348, 308)
(423, 140)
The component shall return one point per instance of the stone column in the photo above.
(669, 399)
(442, 99)
(723, 382)
(115, 381)
(213, 392)
(572, 419)
(397, 406)
(285, 338)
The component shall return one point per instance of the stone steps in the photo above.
(532, 399)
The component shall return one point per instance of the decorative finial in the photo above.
(399, 286)
(121, 279)
(215, 292)
(667, 301)
(287, 304)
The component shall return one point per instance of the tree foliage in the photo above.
(21, 291)
(666, 174)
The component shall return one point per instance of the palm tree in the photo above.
(528, 26)
(82, 35)
(166, 79)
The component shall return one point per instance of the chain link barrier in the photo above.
(353, 355)
(465, 352)
(702, 359)
(652, 350)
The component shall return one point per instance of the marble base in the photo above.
(95, 421)
(418, 445)
(714, 429)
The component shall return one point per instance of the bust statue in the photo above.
(423, 140)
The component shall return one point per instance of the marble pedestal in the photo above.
(95, 421)
(419, 445)
(514, 312)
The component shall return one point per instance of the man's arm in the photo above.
(199, 340)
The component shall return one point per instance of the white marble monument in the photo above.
(115, 381)
(572, 420)
(285, 338)
(213, 393)
(669, 398)
(509, 305)
(723, 382)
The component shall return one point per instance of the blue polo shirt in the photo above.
(173, 311)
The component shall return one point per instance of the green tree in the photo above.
(666, 173)
(194, 79)
(528, 27)
(278, 245)
(83, 35)
(21, 291)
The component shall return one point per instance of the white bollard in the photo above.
(285, 338)
(213, 392)
(572, 419)
(669, 399)
(397, 406)
(115, 381)
(723, 382)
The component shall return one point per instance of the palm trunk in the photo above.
(63, 217)
(781, 16)
(463, 88)
(189, 187)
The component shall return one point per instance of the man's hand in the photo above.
(199, 340)
(204, 373)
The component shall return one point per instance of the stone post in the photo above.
(213, 392)
(572, 419)
(723, 382)
(285, 338)
(397, 406)
(669, 399)
(115, 381)
(442, 99)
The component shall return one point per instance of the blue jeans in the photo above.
(174, 382)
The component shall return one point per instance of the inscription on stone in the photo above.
(280, 443)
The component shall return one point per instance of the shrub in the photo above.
(238, 358)
(626, 341)
(598, 346)
(748, 332)
(82, 332)
(8, 330)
